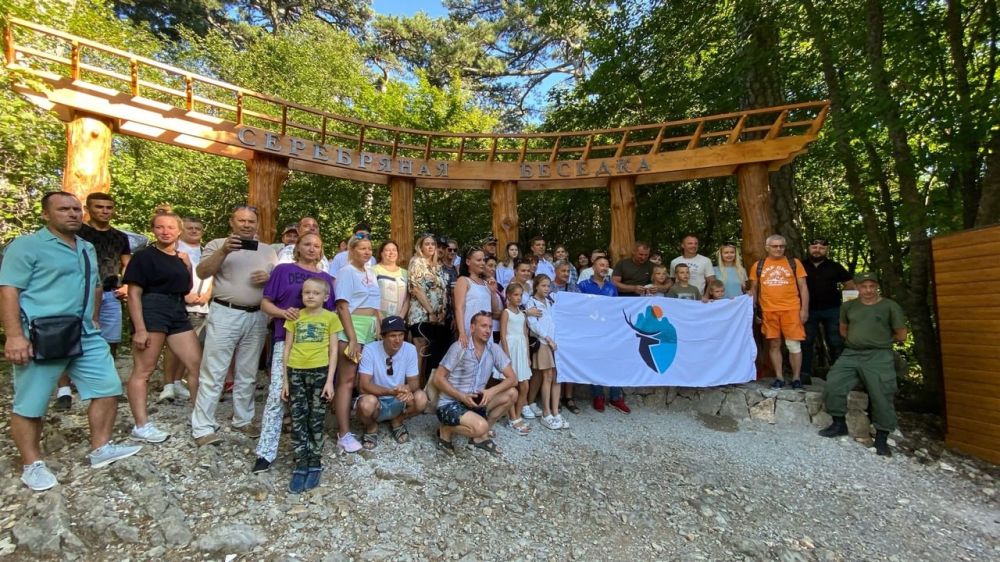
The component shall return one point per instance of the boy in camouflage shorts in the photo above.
(310, 361)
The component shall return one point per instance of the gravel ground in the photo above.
(654, 485)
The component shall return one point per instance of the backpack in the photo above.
(791, 264)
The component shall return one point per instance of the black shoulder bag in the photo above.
(59, 337)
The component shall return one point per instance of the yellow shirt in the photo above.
(313, 334)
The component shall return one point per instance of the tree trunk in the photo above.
(758, 31)
(401, 215)
(267, 176)
(622, 191)
(755, 210)
(965, 144)
(989, 202)
(914, 212)
(88, 150)
(503, 200)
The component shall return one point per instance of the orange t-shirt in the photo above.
(777, 287)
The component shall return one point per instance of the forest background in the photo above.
(911, 148)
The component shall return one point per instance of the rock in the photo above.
(735, 406)
(791, 413)
(753, 396)
(791, 395)
(671, 394)
(710, 402)
(822, 420)
(763, 410)
(857, 401)
(814, 402)
(45, 530)
(54, 441)
(858, 425)
(231, 538)
(681, 404)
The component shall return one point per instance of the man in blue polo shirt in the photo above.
(599, 284)
(42, 274)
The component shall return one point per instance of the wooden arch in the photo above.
(98, 90)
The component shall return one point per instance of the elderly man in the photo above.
(778, 283)
(389, 381)
(306, 225)
(870, 324)
(824, 278)
(239, 266)
(466, 406)
(632, 275)
(54, 272)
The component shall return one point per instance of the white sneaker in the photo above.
(538, 411)
(551, 422)
(168, 394)
(149, 433)
(528, 413)
(563, 424)
(181, 391)
(38, 477)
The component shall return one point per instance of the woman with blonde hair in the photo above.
(730, 270)
(428, 299)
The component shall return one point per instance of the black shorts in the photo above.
(451, 413)
(165, 313)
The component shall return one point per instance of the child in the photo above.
(514, 340)
(682, 289)
(716, 291)
(310, 361)
(661, 282)
(543, 361)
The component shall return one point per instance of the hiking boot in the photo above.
(882, 443)
(210, 439)
(64, 403)
(621, 406)
(599, 403)
(167, 394)
(249, 430)
(109, 453)
(261, 465)
(835, 429)
(38, 477)
(149, 433)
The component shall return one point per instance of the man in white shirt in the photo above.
(307, 225)
(700, 267)
(389, 382)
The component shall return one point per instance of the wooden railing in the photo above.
(31, 46)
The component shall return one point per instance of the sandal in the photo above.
(571, 406)
(400, 434)
(520, 427)
(489, 446)
(446, 446)
(369, 441)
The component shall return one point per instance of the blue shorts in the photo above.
(452, 412)
(111, 318)
(93, 372)
(389, 408)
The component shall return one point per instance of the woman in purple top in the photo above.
(282, 301)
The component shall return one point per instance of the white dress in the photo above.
(517, 344)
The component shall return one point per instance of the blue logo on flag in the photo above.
(657, 338)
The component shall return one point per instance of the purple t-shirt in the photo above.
(284, 289)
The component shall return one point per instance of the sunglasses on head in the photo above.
(361, 235)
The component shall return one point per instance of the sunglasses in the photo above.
(452, 250)
(361, 235)
(388, 366)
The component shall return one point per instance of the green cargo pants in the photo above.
(876, 369)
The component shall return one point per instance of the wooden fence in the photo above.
(967, 287)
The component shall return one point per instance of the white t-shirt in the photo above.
(404, 364)
(700, 268)
(199, 286)
(340, 260)
(359, 288)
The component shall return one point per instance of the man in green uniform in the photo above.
(870, 324)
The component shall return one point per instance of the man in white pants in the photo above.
(239, 267)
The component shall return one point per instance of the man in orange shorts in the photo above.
(778, 283)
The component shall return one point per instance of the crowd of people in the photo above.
(380, 337)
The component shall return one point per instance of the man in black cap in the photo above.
(361, 230)
(389, 382)
(490, 246)
(823, 277)
(870, 324)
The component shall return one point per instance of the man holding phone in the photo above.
(239, 267)
(466, 406)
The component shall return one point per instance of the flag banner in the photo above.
(653, 341)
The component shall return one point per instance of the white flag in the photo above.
(653, 341)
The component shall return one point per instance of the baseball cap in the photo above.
(865, 276)
(490, 240)
(393, 324)
(290, 228)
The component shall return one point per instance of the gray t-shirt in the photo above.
(468, 373)
(232, 282)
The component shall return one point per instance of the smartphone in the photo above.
(249, 244)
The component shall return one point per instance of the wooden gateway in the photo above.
(99, 90)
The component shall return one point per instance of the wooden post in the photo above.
(503, 200)
(88, 149)
(755, 210)
(622, 217)
(401, 216)
(267, 175)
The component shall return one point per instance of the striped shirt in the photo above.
(468, 373)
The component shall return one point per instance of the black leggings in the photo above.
(438, 339)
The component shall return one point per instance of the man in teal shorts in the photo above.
(42, 274)
(869, 324)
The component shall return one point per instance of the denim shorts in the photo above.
(389, 408)
(165, 314)
(451, 413)
(111, 318)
